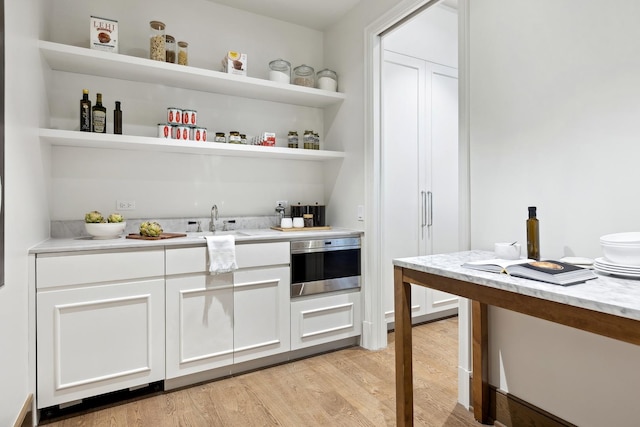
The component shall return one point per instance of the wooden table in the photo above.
(573, 306)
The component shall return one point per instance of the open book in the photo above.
(556, 272)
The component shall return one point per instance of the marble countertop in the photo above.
(606, 294)
(58, 245)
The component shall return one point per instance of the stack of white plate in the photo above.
(605, 266)
(621, 254)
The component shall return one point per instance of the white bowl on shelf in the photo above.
(105, 230)
(621, 248)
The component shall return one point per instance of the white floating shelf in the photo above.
(69, 138)
(75, 59)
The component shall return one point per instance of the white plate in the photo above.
(605, 263)
(613, 273)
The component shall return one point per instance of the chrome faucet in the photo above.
(214, 216)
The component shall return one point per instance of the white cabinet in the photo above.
(199, 314)
(261, 300)
(218, 320)
(322, 319)
(419, 171)
(99, 328)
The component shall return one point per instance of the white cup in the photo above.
(507, 250)
(286, 223)
(298, 222)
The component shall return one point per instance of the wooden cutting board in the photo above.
(327, 227)
(160, 237)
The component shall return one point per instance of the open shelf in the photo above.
(58, 137)
(75, 59)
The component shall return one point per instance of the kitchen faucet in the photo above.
(214, 216)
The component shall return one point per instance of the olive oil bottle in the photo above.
(533, 235)
(99, 116)
(117, 119)
(85, 112)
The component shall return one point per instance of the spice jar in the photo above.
(234, 137)
(170, 49)
(308, 220)
(220, 137)
(316, 141)
(183, 53)
(280, 71)
(243, 138)
(157, 41)
(308, 139)
(327, 80)
(292, 139)
(304, 75)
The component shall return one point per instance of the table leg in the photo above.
(480, 380)
(404, 367)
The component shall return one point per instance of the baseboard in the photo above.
(508, 410)
(24, 417)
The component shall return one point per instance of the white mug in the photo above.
(286, 223)
(298, 222)
(507, 250)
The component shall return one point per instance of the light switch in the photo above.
(360, 213)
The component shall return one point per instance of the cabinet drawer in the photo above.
(321, 319)
(84, 268)
(262, 254)
(186, 260)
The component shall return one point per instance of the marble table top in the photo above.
(606, 294)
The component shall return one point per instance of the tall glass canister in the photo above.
(157, 43)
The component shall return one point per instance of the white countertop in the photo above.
(241, 236)
(606, 294)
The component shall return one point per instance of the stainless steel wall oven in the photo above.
(324, 265)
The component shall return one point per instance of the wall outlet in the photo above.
(284, 203)
(125, 205)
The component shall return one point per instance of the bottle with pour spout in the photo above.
(533, 235)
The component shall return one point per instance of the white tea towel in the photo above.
(222, 254)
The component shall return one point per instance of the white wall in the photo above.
(554, 113)
(164, 185)
(26, 217)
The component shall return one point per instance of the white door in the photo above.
(419, 170)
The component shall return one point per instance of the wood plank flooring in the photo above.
(350, 387)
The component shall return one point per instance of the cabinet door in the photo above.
(98, 339)
(261, 312)
(419, 169)
(199, 329)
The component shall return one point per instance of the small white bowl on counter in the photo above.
(622, 248)
(105, 230)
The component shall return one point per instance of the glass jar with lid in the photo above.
(327, 80)
(292, 139)
(183, 53)
(280, 71)
(157, 43)
(170, 49)
(304, 75)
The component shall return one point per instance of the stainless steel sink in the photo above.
(203, 234)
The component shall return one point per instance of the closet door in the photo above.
(404, 179)
(419, 172)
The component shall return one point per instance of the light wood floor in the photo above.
(351, 387)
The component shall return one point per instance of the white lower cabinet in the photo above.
(322, 319)
(199, 312)
(99, 328)
(218, 320)
(261, 313)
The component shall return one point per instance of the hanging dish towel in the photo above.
(222, 254)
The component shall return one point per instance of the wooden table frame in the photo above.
(481, 296)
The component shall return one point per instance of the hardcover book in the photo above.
(555, 272)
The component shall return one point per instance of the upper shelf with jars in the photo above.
(75, 59)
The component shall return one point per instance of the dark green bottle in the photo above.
(85, 112)
(533, 235)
